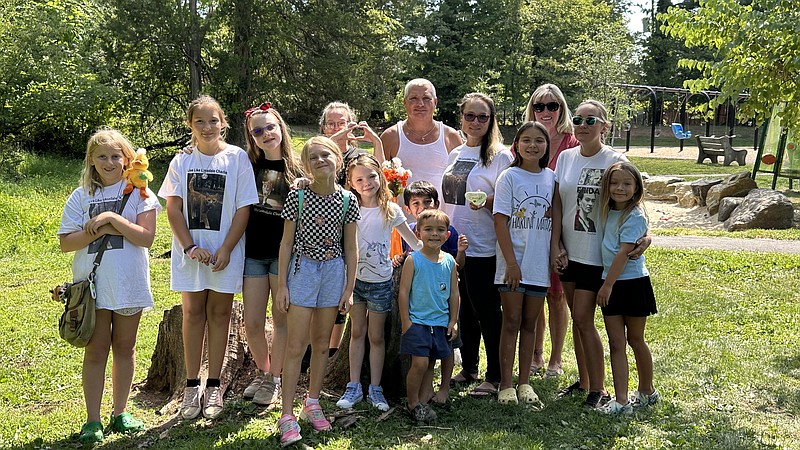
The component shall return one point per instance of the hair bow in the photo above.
(262, 107)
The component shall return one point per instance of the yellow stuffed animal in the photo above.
(137, 174)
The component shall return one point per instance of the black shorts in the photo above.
(633, 298)
(340, 318)
(586, 277)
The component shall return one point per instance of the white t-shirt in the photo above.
(212, 189)
(374, 236)
(466, 173)
(526, 198)
(123, 277)
(579, 176)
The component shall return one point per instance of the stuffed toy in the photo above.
(137, 174)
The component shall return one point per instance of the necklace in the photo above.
(208, 166)
(421, 137)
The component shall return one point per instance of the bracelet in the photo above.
(191, 251)
(189, 248)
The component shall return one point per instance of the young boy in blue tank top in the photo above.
(428, 302)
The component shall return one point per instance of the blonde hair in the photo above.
(564, 122)
(323, 142)
(351, 116)
(293, 169)
(90, 179)
(205, 100)
(384, 196)
(605, 191)
(602, 114)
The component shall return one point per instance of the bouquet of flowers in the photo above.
(396, 175)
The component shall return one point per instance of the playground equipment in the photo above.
(779, 150)
(677, 130)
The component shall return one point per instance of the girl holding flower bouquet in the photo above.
(373, 294)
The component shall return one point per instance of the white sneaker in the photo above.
(267, 392)
(640, 399)
(614, 408)
(251, 388)
(191, 403)
(457, 356)
(212, 402)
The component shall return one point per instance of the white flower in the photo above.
(396, 162)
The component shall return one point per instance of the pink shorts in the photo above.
(555, 285)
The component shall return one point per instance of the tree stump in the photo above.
(167, 373)
(395, 365)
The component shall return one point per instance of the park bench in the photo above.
(712, 147)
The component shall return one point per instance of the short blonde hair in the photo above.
(90, 179)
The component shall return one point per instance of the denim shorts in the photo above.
(260, 268)
(426, 341)
(585, 276)
(527, 289)
(379, 297)
(316, 284)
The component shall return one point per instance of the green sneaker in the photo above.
(125, 423)
(91, 433)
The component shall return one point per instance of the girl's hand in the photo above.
(558, 262)
(282, 299)
(513, 276)
(397, 260)
(463, 243)
(220, 259)
(188, 149)
(93, 226)
(301, 183)
(345, 302)
(603, 295)
(200, 255)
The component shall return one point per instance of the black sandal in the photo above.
(571, 389)
(466, 379)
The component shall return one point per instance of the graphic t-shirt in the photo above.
(212, 189)
(265, 227)
(578, 179)
(628, 232)
(123, 277)
(466, 173)
(374, 234)
(526, 198)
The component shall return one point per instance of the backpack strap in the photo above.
(104, 242)
(300, 195)
(346, 203)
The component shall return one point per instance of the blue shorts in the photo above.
(316, 284)
(260, 268)
(585, 276)
(527, 289)
(426, 341)
(379, 297)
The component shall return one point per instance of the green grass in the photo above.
(725, 346)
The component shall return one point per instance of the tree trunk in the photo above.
(167, 373)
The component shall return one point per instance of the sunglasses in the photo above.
(591, 120)
(270, 127)
(552, 106)
(482, 118)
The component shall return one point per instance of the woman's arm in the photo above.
(409, 236)
(614, 271)
(284, 255)
(350, 261)
(558, 256)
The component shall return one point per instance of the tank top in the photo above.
(425, 161)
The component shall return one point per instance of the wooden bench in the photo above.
(712, 147)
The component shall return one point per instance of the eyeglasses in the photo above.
(482, 118)
(341, 124)
(552, 106)
(270, 127)
(591, 120)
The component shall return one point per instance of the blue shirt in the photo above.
(628, 232)
(429, 299)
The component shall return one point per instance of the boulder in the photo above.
(700, 188)
(684, 194)
(736, 185)
(762, 208)
(726, 207)
(660, 188)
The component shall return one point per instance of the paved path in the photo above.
(724, 243)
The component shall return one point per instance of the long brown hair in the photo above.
(492, 141)
(523, 128)
(605, 191)
(293, 168)
(206, 100)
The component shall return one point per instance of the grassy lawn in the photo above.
(725, 346)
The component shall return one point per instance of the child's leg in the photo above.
(299, 320)
(641, 351)
(193, 305)
(531, 312)
(557, 315)
(415, 379)
(615, 327)
(538, 342)
(218, 314)
(427, 379)
(580, 359)
(321, 325)
(123, 344)
(255, 295)
(336, 336)
(447, 373)
(279, 333)
(358, 333)
(95, 357)
(377, 347)
(512, 317)
(583, 308)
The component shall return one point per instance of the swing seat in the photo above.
(677, 130)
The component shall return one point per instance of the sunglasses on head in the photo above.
(259, 131)
(552, 106)
(591, 120)
(482, 118)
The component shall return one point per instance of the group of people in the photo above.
(313, 233)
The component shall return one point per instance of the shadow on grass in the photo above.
(786, 400)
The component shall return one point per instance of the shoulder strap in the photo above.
(346, 203)
(104, 242)
(300, 196)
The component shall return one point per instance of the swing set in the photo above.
(778, 151)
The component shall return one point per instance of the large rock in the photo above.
(762, 208)
(700, 188)
(736, 185)
(726, 207)
(684, 194)
(661, 188)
